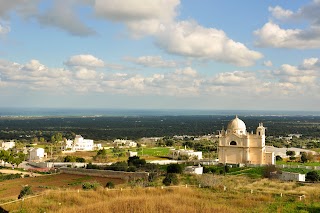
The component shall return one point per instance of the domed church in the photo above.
(237, 146)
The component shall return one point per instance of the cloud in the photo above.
(62, 14)
(267, 63)
(152, 61)
(185, 38)
(4, 29)
(307, 73)
(24, 8)
(272, 35)
(156, 18)
(84, 61)
(86, 74)
(286, 81)
(280, 13)
(142, 17)
(188, 38)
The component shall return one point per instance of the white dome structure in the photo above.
(237, 146)
(237, 126)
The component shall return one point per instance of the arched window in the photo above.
(233, 143)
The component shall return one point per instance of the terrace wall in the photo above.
(106, 173)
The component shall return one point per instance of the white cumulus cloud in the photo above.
(273, 35)
(188, 38)
(152, 61)
(84, 61)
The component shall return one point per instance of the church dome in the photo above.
(237, 124)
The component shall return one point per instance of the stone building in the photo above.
(237, 146)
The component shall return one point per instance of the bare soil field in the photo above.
(10, 189)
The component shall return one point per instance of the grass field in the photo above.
(10, 189)
(155, 151)
(170, 200)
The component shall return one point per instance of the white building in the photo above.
(237, 146)
(198, 170)
(81, 144)
(8, 145)
(132, 154)
(190, 154)
(37, 154)
(291, 176)
(124, 143)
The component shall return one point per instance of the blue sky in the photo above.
(160, 54)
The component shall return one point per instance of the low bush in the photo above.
(110, 185)
(174, 168)
(170, 179)
(90, 185)
(9, 176)
(313, 176)
(26, 190)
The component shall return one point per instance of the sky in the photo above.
(160, 54)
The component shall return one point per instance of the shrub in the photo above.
(268, 170)
(170, 179)
(131, 169)
(110, 185)
(80, 160)
(174, 168)
(90, 185)
(26, 190)
(292, 158)
(91, 166)
(118, 166)
(278, 158)
(313, 176)
(136, 161)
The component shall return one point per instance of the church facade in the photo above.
(237, 146)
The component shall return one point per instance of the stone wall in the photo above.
(106, 173)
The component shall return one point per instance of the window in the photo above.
(233, 143)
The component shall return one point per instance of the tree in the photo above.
(17, 158)
(313, 176)
(69, 158)
(110, 185)
(269, 170)
(174, 168)
(5, 156)
(278, 158)
(170, 179)
(136, 161)
(303, 157)
(26, 190)
(290, 153)
(310, 156)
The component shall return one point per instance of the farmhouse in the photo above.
(198, 170)
(37, 154)
(124, 143)
(237, 146)
(7, 145)
(81, 144)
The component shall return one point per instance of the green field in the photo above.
(155, 151)
(298, 163)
